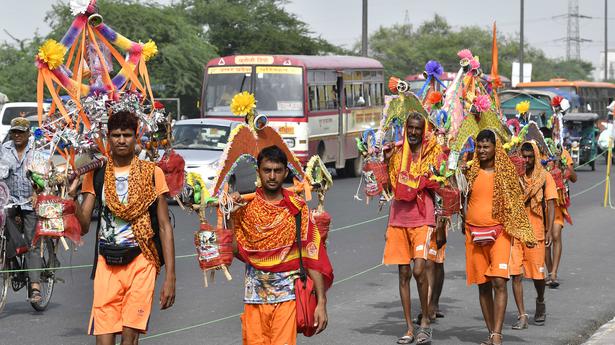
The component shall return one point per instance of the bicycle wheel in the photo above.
(47, 276)
(4, 277)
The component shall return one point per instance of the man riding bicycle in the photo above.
(17, 153)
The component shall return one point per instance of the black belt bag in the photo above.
(118, 255)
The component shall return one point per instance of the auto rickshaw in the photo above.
(580, 138)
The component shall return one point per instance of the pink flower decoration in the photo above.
(465, 54)
(474, 64)
(482, 103)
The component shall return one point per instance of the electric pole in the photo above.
(606, 42)
(364, 33)
(521, 47)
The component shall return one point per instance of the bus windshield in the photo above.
(279, 90)
(222, 84)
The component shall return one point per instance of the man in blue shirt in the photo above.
(17, 153)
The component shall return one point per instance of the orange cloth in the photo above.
(529, 261)
(404, 244)
(160, 183)
(123, 296)
(483, 262)
(559, 216)
(566, 155)
(269, 324)
(437, 255)
(480, 205)
(550, 193)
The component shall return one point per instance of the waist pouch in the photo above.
(118, 255)
(485, 235)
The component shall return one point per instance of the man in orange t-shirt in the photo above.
(554, 252)
(540, 196)
(493, 217)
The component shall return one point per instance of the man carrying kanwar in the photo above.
(494, 216)
(554, 252)
(266, 240)
(540, 196)
(412, 218)
(131, 193)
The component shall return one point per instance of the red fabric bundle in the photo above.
(449, 203)
(56, 218)
(322, 221)
(381, 174)
(172, 164)
(518, 162)
(214, 247)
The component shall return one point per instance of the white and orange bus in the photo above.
(319, 104)
(584, 96)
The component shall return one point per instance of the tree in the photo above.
(17, 70)
(404, 50)
(254, 27)
(177, 70)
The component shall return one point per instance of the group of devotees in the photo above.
(518, 213)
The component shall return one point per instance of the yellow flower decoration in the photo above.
(523, 107)
(52, 53)
(243, 104)
(150, 49)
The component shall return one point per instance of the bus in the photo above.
(319, 104)
(584, 96)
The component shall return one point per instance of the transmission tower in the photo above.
(573, 39)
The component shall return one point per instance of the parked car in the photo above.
(201, 142)
(16, 109)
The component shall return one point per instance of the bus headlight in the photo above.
(290, 142)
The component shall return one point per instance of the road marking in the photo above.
(239, 314)
(360, 223)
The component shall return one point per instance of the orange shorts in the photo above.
(404, 244)
(529, 261)
(269, 324)
(559, 216)
(435, 254)
(123, 296)
(483, 262)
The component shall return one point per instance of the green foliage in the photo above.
(254, 27)
(404, 50)
(17, 70)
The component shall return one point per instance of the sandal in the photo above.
(406, 339)
(492, 335)
(541, 313)
(521, 322)
(439, 315)
(423, 336)
(553, 283)
(35, 295)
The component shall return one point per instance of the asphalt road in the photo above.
(364, 304)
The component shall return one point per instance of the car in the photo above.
(201, 143)
(16, 109)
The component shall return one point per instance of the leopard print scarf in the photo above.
(508, 206)
(141, 195)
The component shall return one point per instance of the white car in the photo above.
(201, 142)
(17, 109)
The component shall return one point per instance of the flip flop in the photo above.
(439, 315)
(406, 339)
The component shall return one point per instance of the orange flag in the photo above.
(495, 77)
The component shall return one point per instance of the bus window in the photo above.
(279, 90)
(222, 84)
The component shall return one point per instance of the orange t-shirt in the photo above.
(160, 183)
(550, 194)
(480, 205)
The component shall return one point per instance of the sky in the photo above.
(339, 21)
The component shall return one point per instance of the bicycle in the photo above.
(13, 271)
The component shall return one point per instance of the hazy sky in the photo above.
(339, 21)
